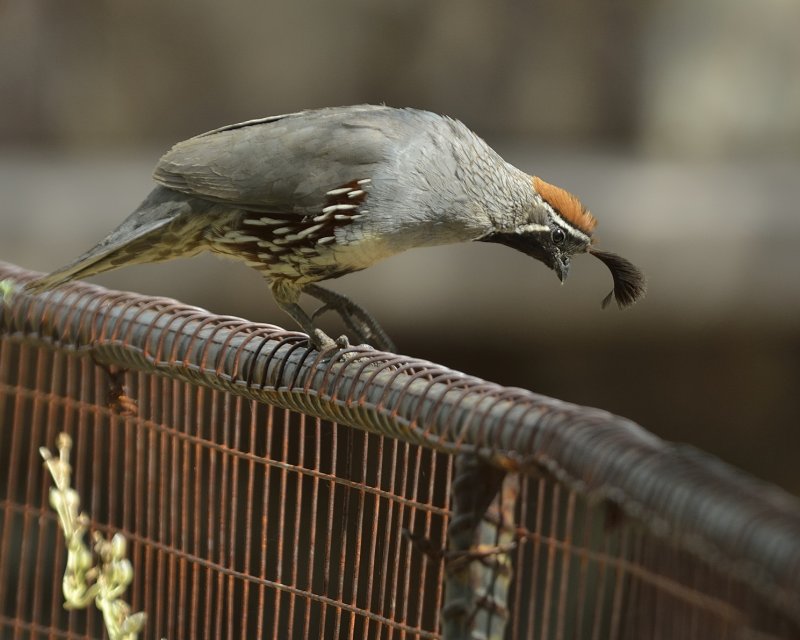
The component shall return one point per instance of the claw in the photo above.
(362, 325)
(357, 320)
(323, 341)
(342, 342)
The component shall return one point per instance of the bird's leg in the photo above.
(354, 316)
(350, 322)
(286, 296)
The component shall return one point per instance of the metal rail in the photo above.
(680, 495)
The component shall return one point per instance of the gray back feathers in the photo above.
(285, 163)
(415, 159)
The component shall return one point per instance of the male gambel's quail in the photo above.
(317, 194)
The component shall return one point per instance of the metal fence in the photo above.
(268, 490)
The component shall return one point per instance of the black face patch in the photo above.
(566, 237)
(552, 247)
(531, 244)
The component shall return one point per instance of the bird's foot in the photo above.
(323, 341)
(342, 342)
(362, 325)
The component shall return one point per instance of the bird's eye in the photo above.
(558, 236)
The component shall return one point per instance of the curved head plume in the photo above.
(557, 227)
(629, 282)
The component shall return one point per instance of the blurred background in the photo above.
(677, 123)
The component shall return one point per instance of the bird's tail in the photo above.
(131, 243)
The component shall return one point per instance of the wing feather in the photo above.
(282, 163)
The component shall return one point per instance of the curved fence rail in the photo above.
(325, 480)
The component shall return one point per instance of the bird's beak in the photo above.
(561, 268)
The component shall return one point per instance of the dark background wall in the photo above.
(678, 123)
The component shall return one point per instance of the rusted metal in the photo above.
(264, 486)
(480, 537)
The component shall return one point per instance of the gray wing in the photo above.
(284, 163)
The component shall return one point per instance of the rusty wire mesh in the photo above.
(266, 490)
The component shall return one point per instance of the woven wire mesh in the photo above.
(265, 488)
(244, 519)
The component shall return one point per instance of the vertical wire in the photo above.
(561, 608)
(537, 544)
(449, 472)
(249, 519)
(13, 451)
(617, 599)
(401, 581)
(552, 543)
(387, 570)
(281, 528)
(197, 513)
(329, 526)
(412, 516)
(81, 466)
(588, 524)
(298, 508)
(521, 553)
(161, 507)
(312, 535)
(175, 507)
(212, 521)
(232, 444)
(262, 590)
(47, 524)
(32, 462)
(359, 526)
(187, 489)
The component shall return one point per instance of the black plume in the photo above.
(629, 283)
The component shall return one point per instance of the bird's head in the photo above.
(556, 227)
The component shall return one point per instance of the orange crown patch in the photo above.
(566, 205)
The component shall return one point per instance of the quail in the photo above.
(317, 194)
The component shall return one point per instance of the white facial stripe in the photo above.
(569, 229)
(530, 228)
